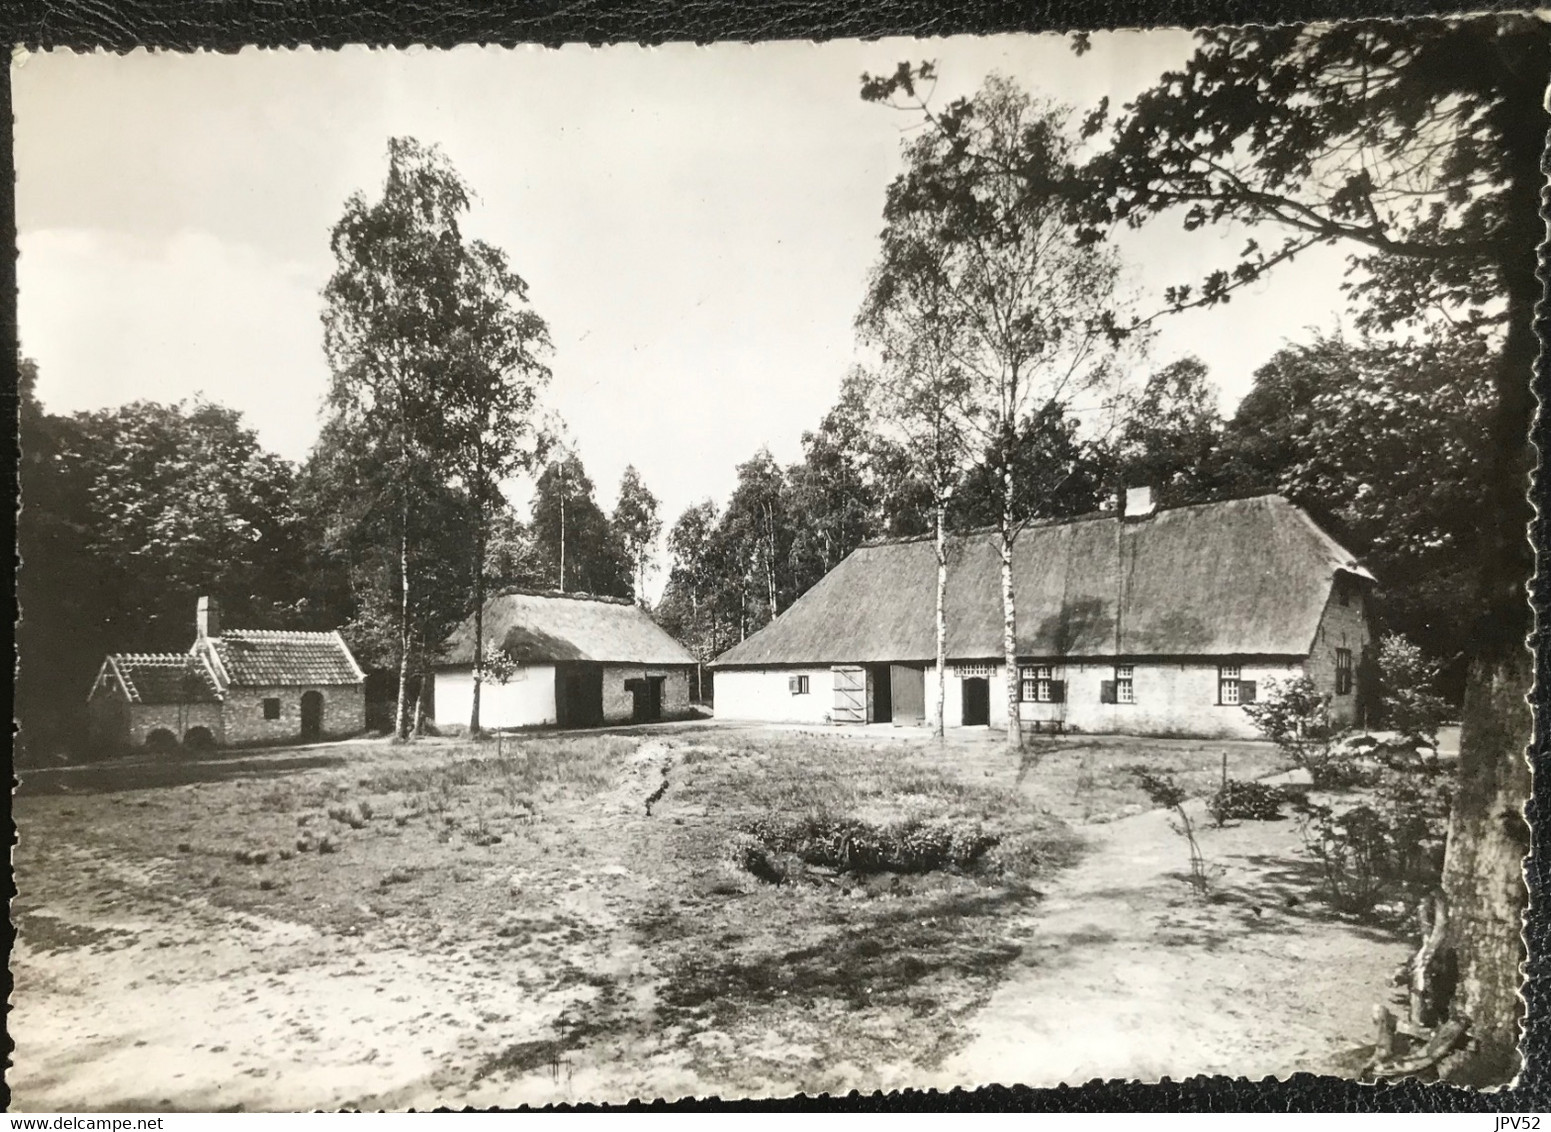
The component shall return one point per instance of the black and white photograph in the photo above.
(573, 575)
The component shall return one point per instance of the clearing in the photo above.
(561, 918)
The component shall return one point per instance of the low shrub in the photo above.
(1244, 801)
(1386, 851)
(856, 846)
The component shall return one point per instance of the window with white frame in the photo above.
(972, 671)
(1228, 683)
(1125, 687)
(1038, 685)
(798, 685)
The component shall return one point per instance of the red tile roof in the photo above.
(281, 658)
(165, 678)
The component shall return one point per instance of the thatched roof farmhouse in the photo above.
(1159, 622)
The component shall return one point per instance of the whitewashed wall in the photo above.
(526, 700)
(1170, 699)
(765, 694)
(953, 708)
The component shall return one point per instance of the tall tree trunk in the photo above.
(1009, 613)
(421, 699)
(942, 615)
(401, 718)
(770, 557)
(1483, 872)
(479, 612)
(1483, 877)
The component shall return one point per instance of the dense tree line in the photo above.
(393, 529)
(132, 513)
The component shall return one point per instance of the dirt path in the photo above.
(1127, 974)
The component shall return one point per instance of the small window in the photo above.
(1228, 679)
(1037, 685)
(972, 671)
(1343, 672)
(797, 685)
(1125, 688)
(272, 708)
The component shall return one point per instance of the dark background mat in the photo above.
(228, 25)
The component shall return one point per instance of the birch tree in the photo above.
(389, 314)
(1029, 315)
(921, 389)
(495, 374)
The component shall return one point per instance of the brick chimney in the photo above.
(1138, 502)
(208, 621)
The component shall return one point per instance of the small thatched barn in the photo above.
(569, 659)
(241, 686)
(1158, 622)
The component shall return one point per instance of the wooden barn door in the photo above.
(909, 688)
(850, 694)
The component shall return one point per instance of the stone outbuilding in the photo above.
(1151, 622)
(572, 660)
(232, 688)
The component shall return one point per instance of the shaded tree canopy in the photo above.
(570, 528)
(636, 524)
(130, 515)
(1170, 434)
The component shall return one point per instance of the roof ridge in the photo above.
(1071, 520)
(276, 634)
(149, 657)
(570, 595)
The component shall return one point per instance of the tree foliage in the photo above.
(391, 333)
(637, 524)
(130, 515)
(579, 549)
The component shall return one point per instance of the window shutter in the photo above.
(1058, 691)
(1106, 691)
(792, 685)
(1246, 691)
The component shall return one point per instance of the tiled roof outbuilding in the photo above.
(264, 658)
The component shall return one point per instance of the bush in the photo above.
(1406, 680)
(856, 846)
(1244, 801)
(1295, 716)
(1387, 851)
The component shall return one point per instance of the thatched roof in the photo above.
(1247, 577)
(546, 628)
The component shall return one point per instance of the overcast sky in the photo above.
(696, 224)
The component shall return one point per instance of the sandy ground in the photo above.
(1127, 974)
(569, 977)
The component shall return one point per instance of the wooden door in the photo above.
(850, 695)
(909, 688)
(312, 714)
(977, 701)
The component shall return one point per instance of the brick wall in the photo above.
(1340, 627)
(178, 719)
(619, 703)
(344, 713)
